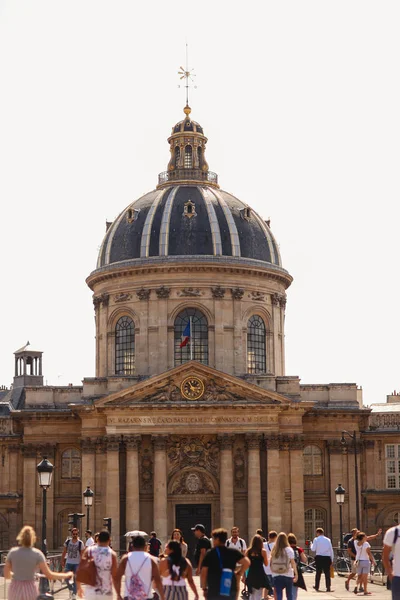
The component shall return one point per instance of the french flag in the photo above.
(185, 336)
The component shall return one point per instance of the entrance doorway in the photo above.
(189, 515)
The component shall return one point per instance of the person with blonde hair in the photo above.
(22, 563)
(283, 567)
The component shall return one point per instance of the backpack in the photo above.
(134, 585)
(240, 542)
(67, 541)
(279, 564)
(396, 535)
(154, 544)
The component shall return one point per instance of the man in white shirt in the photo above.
(89, 538)
(322, 546)
(391, 545)
(236, 542)
(272, 535)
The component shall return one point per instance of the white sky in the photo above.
(300, 102)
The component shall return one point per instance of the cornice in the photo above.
(189, 264)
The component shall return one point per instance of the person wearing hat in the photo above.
(203, 545)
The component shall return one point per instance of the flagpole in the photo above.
(191, 338)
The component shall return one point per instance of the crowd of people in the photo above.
(265, 567)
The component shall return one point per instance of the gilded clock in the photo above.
(192, 388)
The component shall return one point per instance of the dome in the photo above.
(188, 221)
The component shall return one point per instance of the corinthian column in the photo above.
(297, 488)
(226, 482)
(132, 482)
(274, 485)
(254, 484)
(112, 490)
(160, 488)
(30, 476)
(88, 473)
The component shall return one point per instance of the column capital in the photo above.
(132, 442)
(159, 442)
(225, 441)
(296, 442)
(29, 451)
(113, 442)
(335, 447)
(272, 442)
(14, 447)
(88, 445)
(253, 441)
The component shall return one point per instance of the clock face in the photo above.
(192, 388)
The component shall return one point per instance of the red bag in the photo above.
(87, 572)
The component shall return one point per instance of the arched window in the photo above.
(195, 345)
(188, 157)
(312, 460)
(71, 464)
(125, 347)
(313, 518)
(256, 345)
(177, 156)
(199, 157)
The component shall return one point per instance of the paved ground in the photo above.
(379, 592)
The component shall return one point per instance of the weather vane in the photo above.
(186, 73)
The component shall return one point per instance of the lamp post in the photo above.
(88, 501)
(340, 492)
(45, 474)
(353, 436)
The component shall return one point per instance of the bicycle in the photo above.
(52, 592)
(342, 564)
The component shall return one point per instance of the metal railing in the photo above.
(187, 174)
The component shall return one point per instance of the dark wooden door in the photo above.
(189, 515)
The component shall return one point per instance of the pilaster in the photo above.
(254, 515)
(227, 516)
(132, 482)
(112, 490)
(160, 487)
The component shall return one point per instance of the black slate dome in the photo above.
(188, 221)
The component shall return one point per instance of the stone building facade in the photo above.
(191, 416)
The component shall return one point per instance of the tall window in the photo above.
(393, 466)
(177, 156)
(312, 460)
(256, 345)
(71, 464)
(188, 157)
(199, 157)
(196, 347)
(125, 347)
(313, 518)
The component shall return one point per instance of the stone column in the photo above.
(297, 488)
(13, 452)
(227, 516)
(30, 477)
(112, 491)
(254, 516)
(336, 477)
(132, 482)
(160, 488)
(239, 350)
(88, 478)
(274, 484)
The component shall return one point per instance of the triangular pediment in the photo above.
(207, 385)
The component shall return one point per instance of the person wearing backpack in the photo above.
(222, 569)
(391, 559)
(299, 557)
(140, 570)
(236, 542)
(71, 556)
(154, 544)
(283, 567)
(175, 570)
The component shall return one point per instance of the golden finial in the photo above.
(188, 75)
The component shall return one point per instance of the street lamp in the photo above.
(353, 436)
(45, 474)
(340, 492)
(88, 501)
